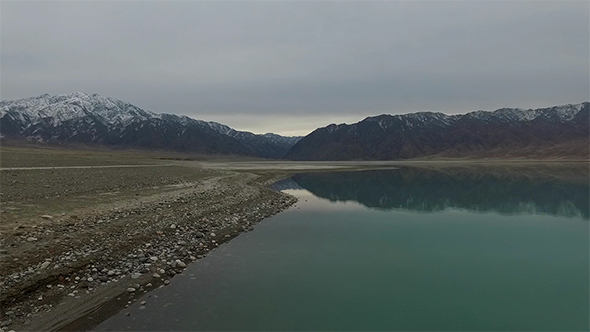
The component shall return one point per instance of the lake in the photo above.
(404, 249)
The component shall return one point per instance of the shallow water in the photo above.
(402, 249)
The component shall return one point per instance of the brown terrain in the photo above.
(122, 226)
(83, 233)
(86, 231)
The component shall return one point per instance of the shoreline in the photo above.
(99, 278)
(74, 240)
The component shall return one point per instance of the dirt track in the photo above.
(77, 167)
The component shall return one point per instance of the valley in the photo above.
(294, 166)
(101, 122)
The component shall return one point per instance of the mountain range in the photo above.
(559, 131)
(90, 118)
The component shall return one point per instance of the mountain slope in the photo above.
(268, 145)
(504, 132)
(84, 118)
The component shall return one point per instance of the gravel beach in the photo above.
(79, 244)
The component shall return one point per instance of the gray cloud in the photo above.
(257, 65)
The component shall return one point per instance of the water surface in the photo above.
(403, 249)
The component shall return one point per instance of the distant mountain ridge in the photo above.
(90, 118)
(559, 131)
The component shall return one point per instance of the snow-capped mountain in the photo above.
(559, 131)
(84, 118)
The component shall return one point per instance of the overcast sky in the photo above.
(289, 67)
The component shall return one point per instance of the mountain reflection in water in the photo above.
(555, 192)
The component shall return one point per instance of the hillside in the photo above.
(560, 131)
(83, 118)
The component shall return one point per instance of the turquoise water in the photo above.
(394, 250)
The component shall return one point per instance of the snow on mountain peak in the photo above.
(416, 120)
(76, 105)
(561, 113)
(80, 116)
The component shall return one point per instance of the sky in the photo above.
(291, 66)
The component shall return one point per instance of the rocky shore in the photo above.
(79, 244)
(70, 271)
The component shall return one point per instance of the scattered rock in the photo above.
(47, 216)
(166, 255)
